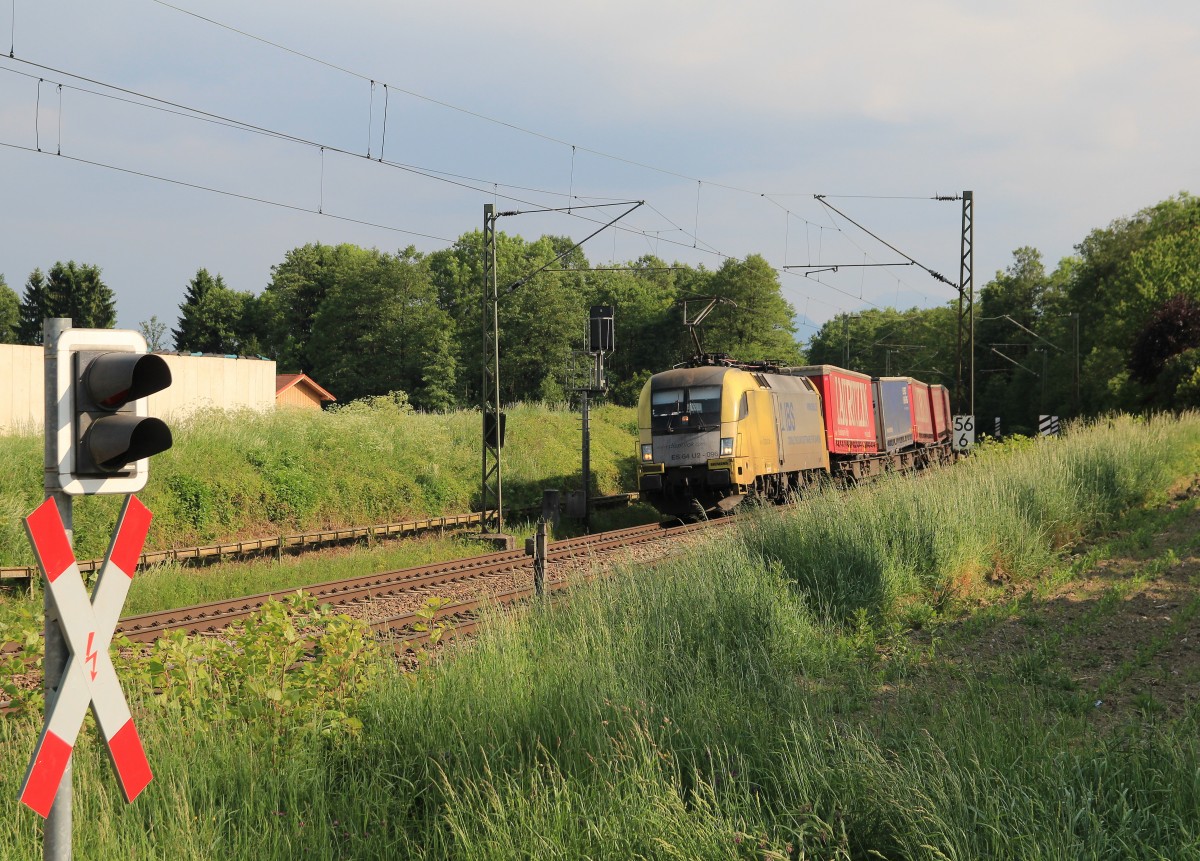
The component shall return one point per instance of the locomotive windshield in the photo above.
(692, 409)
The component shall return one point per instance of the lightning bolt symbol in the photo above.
(91, 655)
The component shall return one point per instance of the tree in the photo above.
(541, 318)
(887, 342)
(35, 307)
(759, 325)
(379, 330)
(77, 292)
(1174, 329)
(648, 323)
(68, 290)
(290, 303)
(1124, 273)
(213, 318)
(10, 313)
(153, 331)
(1012, 362)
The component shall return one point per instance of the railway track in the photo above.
(462, 617)
(389, 602)
(304, 541)
(411, 584)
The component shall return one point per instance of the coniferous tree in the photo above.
(35, 307)
(78, 293)
(10, 313)
(71, 290)
(212, 318)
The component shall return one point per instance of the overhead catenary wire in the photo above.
(348, 219)
(183, 110)
(936, 275)
(227, 193)
(575, 147)
(187, 111)
(513, 126)
(820, 241)
(179, 109)
(371, 119)
(383, 138)
(443, 176)
(525, 278)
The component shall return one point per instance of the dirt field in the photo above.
(1122, 639)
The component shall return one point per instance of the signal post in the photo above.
(98, 437)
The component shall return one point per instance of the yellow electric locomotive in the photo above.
(713, 434)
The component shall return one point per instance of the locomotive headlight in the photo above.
(727, 446)
(647, 452)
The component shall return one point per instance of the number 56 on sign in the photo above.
(964, 432)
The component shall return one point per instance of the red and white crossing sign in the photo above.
(89, 677)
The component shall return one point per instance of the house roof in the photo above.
(283, 382)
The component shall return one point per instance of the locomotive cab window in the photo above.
(694, 409)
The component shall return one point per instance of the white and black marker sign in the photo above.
(964, 432)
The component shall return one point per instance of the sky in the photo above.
(170, 141)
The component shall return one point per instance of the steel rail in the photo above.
(211, 617)
(299, 541)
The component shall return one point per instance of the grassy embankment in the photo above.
(253, 475)
(765, 697)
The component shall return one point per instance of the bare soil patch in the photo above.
(1125, 635)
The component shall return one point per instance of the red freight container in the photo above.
(922, 413)
(940, 397)
(846, 400)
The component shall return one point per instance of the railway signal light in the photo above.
(104, 433)
(600, 329)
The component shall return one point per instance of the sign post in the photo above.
(97, 439)
(964, 433)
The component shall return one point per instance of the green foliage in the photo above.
(21, 622)
(153, 331)
(68, 290)
(1024, 341)
(759, 325)
(192, 500)
(648, 323)
(1163, 358)
(371, 461)
(1058, 342)
(293, 663)
(917, 343)
(1125, 272)
(10, 313)
(291, 492)
(215, 319)
(378, 329)
(1006, 511)
(702, 708)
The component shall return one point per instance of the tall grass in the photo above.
(703, 708)
(696, 710)
(266, 474)
(1001, 514)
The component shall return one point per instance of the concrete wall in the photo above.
(21, 394)
(205, 382)
(198, 382)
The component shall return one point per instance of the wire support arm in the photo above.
(935, 275)
(525, 278)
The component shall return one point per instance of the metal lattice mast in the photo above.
(966, 308)
(491, 497)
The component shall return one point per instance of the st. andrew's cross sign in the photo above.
(89, 677)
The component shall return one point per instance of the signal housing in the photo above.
(104, 434)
